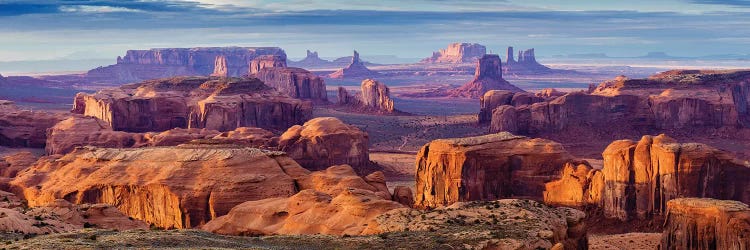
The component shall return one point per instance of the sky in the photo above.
(78, 29)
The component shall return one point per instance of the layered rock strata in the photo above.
(295, 82)
(706, 224)
(457, 53)
(25, 128)
(324, 142)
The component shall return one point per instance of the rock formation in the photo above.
(324, 142)
(375, 97)
(266, 61)
(686, 101)
(221, 104)
(334, 201)
(641, 177)
(487, 76)
(25, 128)
(579, 186)
(295, 82)
(80, 131)
(10, 165)
(496, 98)
(706, 224)
(356, 69)
(486, 167)
(525, 64)
(403, 195)
(344, 98)
(502, 224)
(169, 187)
(140, 65)
(220, 67)
(457, 53)
(311, 61)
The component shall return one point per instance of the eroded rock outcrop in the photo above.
(169, 187)
(140, 65)
(324, 142)
(706, 224)
(458, 53)
(641, 177)
(685, 101)
(266, 61)
(487, 76)
(213, 103)
(10, 165)
(375, 97)
(502, 224)
(333, 201)
(525, 64)
(25, 128)
(295, 82)
(496, 98)
(311, 60)
(579, 186)
(486, 167)
(356, 69)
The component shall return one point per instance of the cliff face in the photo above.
(496, 98)
(706, 224)
(356, 69)
(458, 53)
(266, 61)
(221, 104)
(377, 96)
(25, 128)
(295, 82)
(171, 187)
(324, 142)
(487, 76)
(641, 177)
(678, 100)
(139, 65)
(486, 168)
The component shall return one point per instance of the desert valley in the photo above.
(247, 147)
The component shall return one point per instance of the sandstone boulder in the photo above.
(486, 167)
(221, 104)
(169, 187)
(324, 142)
(693, 223)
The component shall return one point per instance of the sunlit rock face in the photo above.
(214, 103)
(356, 69)
(326, 141)
(295, 82)
(693, 223)
(458, 53)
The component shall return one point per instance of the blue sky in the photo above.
(77, 29)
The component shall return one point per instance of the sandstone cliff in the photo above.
(140, 65)
(221, 104)
(375, 97)
(334, 201)
(266, 61)
(25, 128)
(706, 224)
(295, 82)
(496, 98)
(356, 69)
(487, 76)
(326, 141)
(684, 101)
(457, 53)
(486, 167)
(169, 187)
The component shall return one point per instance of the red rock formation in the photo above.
(403, 195)
(295, 82)
(25, 128)
(496, 98)
(220, 67)
(457, 53)
(356, 69)
(12, 164)
(311, 61)
(488, 76)
(221, 104)
(486, 167)
(641, 177)
(140, 65)
(170, 187)
(578, 186)
(266, 61)
(687, 101)
(80, 131)
(334, 201)
(706, 224)
(344, 98)
(526, 63)
(376, 95)
(324, 142)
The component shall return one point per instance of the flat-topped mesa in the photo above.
(487, 76)
(458, 53)
(214, 103)
(486, 167)
(356, 69)
(682, 101)
(694, 223)
(295, 82)
(641, 177)
(169, 187)
(266, 61)
(139, 65)
(326, 141)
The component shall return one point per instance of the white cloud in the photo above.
(95, 9)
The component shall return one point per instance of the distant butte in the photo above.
(457, 53)
(356, 69)
(487, 76)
